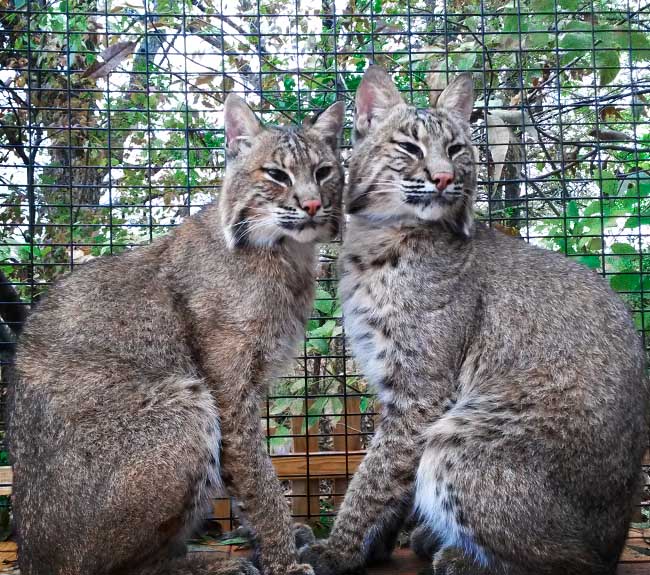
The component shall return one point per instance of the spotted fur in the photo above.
(139, 377)
(514, 402)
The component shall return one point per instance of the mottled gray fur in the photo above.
(514, 403)
(139, 377)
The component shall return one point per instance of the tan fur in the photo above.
(139, 377)
(514, 401)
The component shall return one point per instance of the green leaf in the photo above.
(318, 338)
(621, 248)
(318, 406)
(593, 262)
(286, 405)
(576, 40)
(608, 64)
(593, 208)
(542, 6)
(511, 23)
(625, 282)
(640, 45)
(619, 207)
(572, 210)
(324, 330)
(336, 405)
(592, 226)
(538, 40)
(464, 61)
(363, 404)
(316, 411)
(324, 302)
(590, 243)
(232, 541)
(634, 222)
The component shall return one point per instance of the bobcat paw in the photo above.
(300, 569)
(327, 561)
(423, 542)
(238, 567)
(303, 535)
(452, 561)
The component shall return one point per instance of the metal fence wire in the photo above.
(111, 132)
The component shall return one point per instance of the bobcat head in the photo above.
(280, 182)
(410, 165)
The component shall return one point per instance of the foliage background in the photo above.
(110, 132)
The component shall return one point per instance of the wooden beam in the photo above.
(324, 464)
(6, 479)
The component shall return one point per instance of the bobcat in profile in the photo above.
(138, 378)
(514, 402)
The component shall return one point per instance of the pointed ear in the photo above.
(437, 81)
(376, 96)
(329, 124)
(241, 124)
(458, 97)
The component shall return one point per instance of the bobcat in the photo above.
(138, 379)
(514, 402)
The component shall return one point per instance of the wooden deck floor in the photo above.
(635, 559)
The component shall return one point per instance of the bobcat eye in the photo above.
(454, 149)
(322, 173)
(411, 148)
(278, 175)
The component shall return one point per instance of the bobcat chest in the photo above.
(374, 312)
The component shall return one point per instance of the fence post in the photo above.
(305, 501)
(347, 438)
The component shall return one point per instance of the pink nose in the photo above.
(443, 180)
(311, 206)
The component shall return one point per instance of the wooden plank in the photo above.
(633, 569)
(8, 556)
(637, 550)
(305, 500)
(221, 511)
(323, 464)
(347, 438)
(6, 476)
